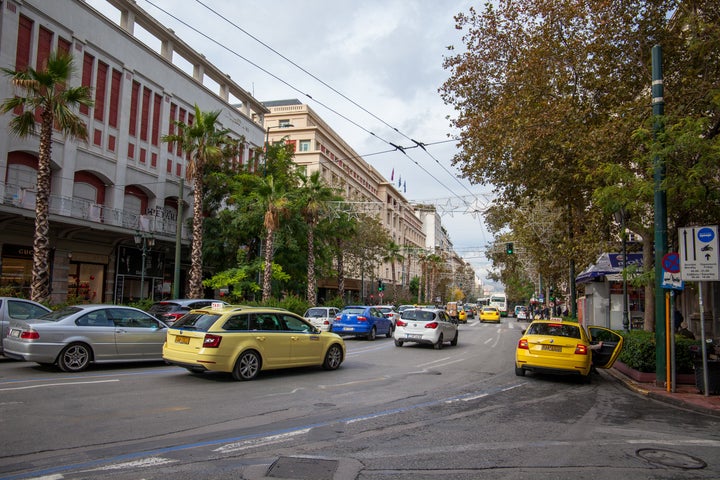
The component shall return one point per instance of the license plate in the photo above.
(348, 329)
(413, 335)
(15, 333)
(182, 339)
(552, 348)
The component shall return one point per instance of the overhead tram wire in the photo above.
(322, 82)
(333, 89)
(284, 82)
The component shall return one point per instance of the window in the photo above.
(294, 324)
(237, 322)
(304, 146)
(284, 123)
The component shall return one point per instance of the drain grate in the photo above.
(303, 468)
(668, 458)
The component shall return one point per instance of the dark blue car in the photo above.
(362, 321)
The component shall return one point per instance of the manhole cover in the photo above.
(669, 458)
(303, 468)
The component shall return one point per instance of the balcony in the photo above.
(159, 221)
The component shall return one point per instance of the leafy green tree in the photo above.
(393, 255)
(205, 145)
(45, 92)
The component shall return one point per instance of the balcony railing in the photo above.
(159, 221)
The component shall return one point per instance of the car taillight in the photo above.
(211, 341)
(326, 322)
(29, 335)
(361, 318)
(581, 349)
(400, 323)
(431, 325)
(337, 319)
(523, 344)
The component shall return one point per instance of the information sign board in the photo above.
(699, 254)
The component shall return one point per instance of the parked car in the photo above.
(521, 312)
(490, 314)
(559, 347)
(247, 340)
(390, 312)
(12, 308)
(75, 336)
(321, 317)
(428, 325)
(362, 321)
(170, 310)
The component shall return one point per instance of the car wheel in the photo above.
(75, 357)
(390, 331)
(439, 344)
(247, 366)
(519, 371)
(333, 357)
(454, 341)
(398, 343)
(372, 335)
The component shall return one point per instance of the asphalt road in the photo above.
(388, 412)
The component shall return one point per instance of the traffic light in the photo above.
(381, 286)
(509, 248)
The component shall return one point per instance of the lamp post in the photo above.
(267, 140)
(620, 217)
(145, 241)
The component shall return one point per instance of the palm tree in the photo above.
(276, 204)
(204, 144)
(393, 255)
(313, 197)
(45, 92)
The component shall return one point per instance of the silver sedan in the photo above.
(12, 308)
(75, 336)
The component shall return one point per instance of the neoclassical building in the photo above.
(124, 182)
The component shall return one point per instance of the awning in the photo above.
(609, 264)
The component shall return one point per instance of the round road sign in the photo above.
(671, 262)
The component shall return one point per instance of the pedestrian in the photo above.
(684, 332)
(677, 319)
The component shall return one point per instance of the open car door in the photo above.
(612, 345)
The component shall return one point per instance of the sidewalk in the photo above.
(686, 396)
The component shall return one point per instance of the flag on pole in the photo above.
(392, 175)
(405, 186)
(399, 180)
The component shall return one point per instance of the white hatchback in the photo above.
(426, 325)
(321, 317)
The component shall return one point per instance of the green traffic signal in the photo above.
(509, 248)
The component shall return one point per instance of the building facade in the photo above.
(318, 148)
(124, 181)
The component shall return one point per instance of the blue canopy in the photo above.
(608, 264)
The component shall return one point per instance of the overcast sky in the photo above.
(384, 55)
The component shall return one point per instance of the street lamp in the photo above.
(146, 241)
(267, 140)
(620, 218)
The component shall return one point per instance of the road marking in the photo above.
(260, 442)
(27, 387)
(144, 462)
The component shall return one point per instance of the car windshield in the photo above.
(316, 313)
(554, 329)
(425, 316)
(162, 307)
(58, 315)
(196, 321)
(409, 314)
(385, 309)
(353, 311)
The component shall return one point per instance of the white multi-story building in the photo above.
(124, 180)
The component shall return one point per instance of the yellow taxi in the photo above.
(563, 347)
(490, 314)
(245, 340)
(462, 315)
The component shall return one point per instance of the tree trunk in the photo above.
(340, 270)
(40, 287)
(195, 288)
(267, 274)
(311, 295)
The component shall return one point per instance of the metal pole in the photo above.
(178, 241)
(142, 271)
(626, 315)
(660, 203)
(703, 347)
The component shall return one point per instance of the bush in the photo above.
(292, 303)
(639, 351)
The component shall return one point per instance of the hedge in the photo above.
(639, 351)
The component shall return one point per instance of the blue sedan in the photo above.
(362, 321)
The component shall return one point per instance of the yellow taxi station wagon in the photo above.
(245, 340)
